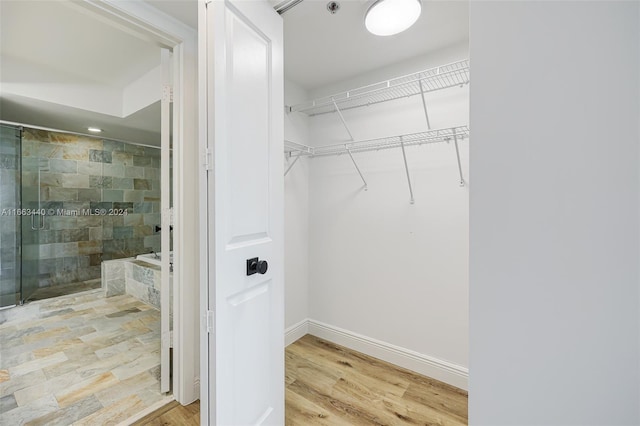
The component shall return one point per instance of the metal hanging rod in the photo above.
(421, 138)
(442, 77)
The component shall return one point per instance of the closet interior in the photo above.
(376, 196)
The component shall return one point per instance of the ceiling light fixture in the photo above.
(389, 17)
(94, 129)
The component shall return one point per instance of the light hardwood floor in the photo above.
(327, 384)
(172, 414)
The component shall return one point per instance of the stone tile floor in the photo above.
(79, 359)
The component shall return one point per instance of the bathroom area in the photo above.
(80, 277)
(70, 202)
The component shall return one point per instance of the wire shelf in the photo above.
(421, 138)
(442, 77)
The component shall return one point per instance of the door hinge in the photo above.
(210, 322)
(208, 159)
(167, 93)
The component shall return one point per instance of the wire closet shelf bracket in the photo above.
(422, 82)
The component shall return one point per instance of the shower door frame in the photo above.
(149, 24)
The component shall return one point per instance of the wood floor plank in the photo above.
(367, 391)
(329, 385)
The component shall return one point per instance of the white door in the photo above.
(245, 108)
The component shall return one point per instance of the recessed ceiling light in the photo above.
(389, 17)
(94, 129)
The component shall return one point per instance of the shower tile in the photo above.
(124, 158)
(113, 169)
(91, 260)
(152, 219)
(107, 233)
(152, 173)
(134, 172)
(9, 161)
(123, 206)
(72, 152)
(29, 179)
(50, 179)
(152, 195)
(142, 184)
(100, 181)
(75, 235)
(100, 156)
(88, 221)
(63, 166)
(95, 233)
(139, 160)
(151, 152)
(133, 196)
(122, 232)
(134, 149)
(134, 219)
(29, 148)
(142, 207)
(123, 183)
(113, 194)
(62, 194)
(47, 150)
(35, 135)
(91, 194)
(88, 168)
(101, 205)
(142, 231)
(155, 162)
(89, 247)
(62, 222)
(112, 145)
(75, 181)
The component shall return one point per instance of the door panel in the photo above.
(245, 198)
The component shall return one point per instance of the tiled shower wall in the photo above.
(9, 225)
(81, 172)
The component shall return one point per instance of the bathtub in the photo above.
(152, 259)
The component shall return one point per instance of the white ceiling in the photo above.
(321, 48)
(63, 67)
(51, 47)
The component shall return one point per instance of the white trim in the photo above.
(147, 22)
(296, 331)
(453, 374)
(150, 409)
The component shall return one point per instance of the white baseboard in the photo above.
(429, 366)
(296, 331)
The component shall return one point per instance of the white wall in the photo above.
(554, 213)
(380, 267)
(296, 212)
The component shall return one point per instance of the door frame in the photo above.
(148, 23)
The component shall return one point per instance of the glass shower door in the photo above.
(33, 219)
(9, 219)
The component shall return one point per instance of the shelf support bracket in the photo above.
(357, 168)
(342, 118)
(406, 168)
(424, 106)
(293, 163)
(455, 142)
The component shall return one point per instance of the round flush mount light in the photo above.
(389, 17)
(94, 129)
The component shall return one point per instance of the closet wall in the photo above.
(381, 269)
(296, 214)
